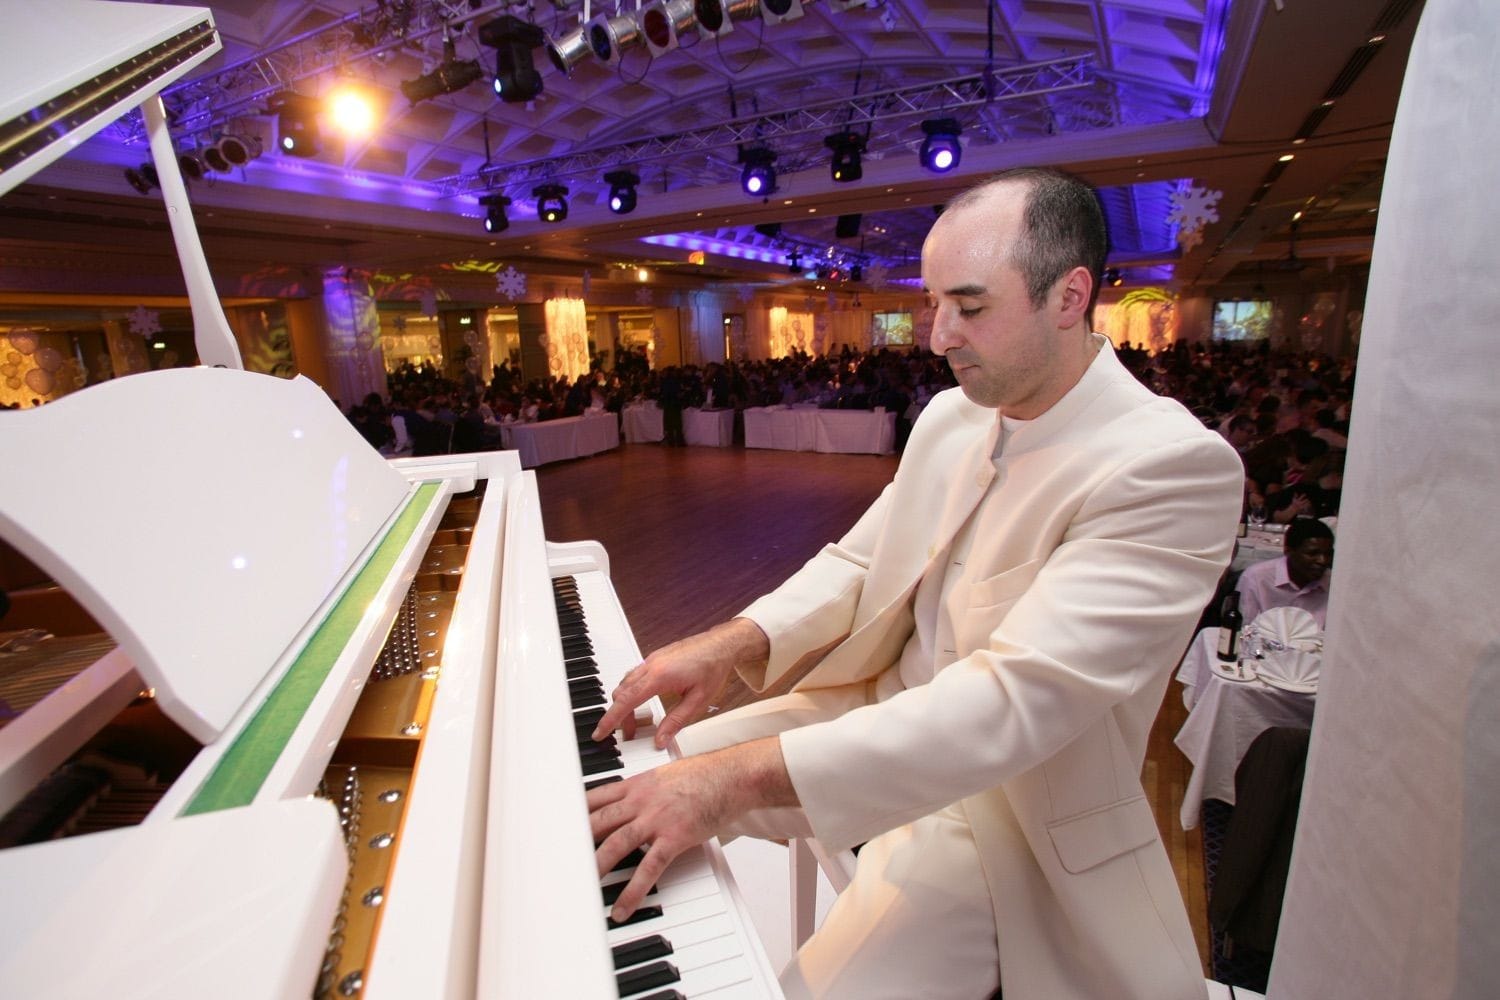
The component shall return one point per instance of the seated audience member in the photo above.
(1299, 579)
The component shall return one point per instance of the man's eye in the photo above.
(970, 313)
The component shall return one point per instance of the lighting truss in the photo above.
(923, 100)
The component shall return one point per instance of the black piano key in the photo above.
(586, 720)
(599, 765)
(577, 647)
(588, 699)
(612, 891)
(640, 950)
(647, 977)
(609, 780)
(644, 913)
(664, 995)
(631, 860)
(583, 666)
(607, 754)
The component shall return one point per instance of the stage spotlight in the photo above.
(569, 50)
(214, 159)
(847, 226)
(236, 151)
(857, 273)
(350, 111)
(776, 11)
(143, 178)
(759, 176)
(622, 196)
(847, 147)
(611, 37)
(664, 21)
(451, 74)
(717, 17)
(190, 166)
(296, 124)
(516, 78)
(941, 150)
(794, 263)
(551, 202)
(495, 220)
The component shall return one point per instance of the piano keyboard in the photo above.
(691, 936)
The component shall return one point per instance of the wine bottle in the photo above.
(1230, 621)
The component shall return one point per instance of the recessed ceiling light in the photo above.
(1286, 157)
(1298, 142)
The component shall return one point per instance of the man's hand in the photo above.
(694, 668)
(679, 805)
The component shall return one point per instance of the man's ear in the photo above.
(1077, 289)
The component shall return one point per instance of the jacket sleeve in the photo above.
(815, 607)
(1102, 615)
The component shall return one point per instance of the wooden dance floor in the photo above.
(696, 534)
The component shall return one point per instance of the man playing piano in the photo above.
(991, 643)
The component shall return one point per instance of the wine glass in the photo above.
(1256, 517)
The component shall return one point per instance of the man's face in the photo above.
(1001, 349)
(1309, 561)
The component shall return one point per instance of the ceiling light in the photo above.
(143, 178)
(717, 17)
(230, 152)
(296, 124)
(664, 21)
(611, 37)
(1286, 158)
(776, 11)
(759, 176)
(551, 202)
(568, 51)
(190, 166)
(350, 111)
(847, 147)
(495, 220)
(622, 196)
(941, 150)
(516, 78)
(452, 74)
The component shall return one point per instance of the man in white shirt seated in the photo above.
(1299, 579)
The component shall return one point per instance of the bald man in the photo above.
(990, 645)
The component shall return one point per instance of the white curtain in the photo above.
(567, 339)
(1395, 881)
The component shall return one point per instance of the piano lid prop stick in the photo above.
(216, 344)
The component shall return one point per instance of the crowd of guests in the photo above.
(1286, 414)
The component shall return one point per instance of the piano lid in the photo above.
(201, 515)
(70, 67)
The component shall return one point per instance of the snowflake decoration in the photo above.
(144, 321)
(429, 302)
(510, 283)
(643, 296)
(875, 276)
(400, 323)
(1192, 209)
(888, 19)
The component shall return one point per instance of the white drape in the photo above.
(567, 339)
(1393, 890)
(791, 331)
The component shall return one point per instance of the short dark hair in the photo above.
(1303, 528)
(1062, 227)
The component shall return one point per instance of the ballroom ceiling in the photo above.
(1142, 97)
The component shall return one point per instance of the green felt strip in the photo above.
(238, 775)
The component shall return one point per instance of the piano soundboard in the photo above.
(330, 745)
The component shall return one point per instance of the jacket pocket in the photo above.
(1089, 839)
(1003, 587)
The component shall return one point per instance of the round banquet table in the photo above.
(1224, 718)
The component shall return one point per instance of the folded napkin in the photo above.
(1290, 669)
(1290, 627)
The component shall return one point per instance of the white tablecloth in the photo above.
(714, 428)
(832, 431)
(642, 422)
(1224, 720)
(559, 440)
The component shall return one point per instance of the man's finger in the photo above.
(615, 846)
(603, 795)
(686, 710)
(643, 881)
(621, 713)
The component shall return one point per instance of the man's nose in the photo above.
(944, 331)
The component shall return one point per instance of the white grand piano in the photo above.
(334, 749)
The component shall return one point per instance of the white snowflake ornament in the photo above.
(510, 283)
(144, 321)
(1191, 209)
(643, 296)
(745, 293)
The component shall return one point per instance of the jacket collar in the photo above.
(1105, 370)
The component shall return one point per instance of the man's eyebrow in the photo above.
(967, 292)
